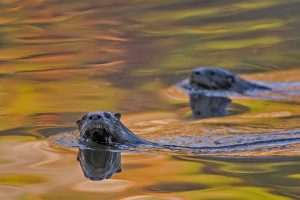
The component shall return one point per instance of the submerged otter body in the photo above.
(107, 129)
(216, 79)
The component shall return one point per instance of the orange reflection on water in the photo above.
(60, 59)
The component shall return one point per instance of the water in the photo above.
(60, 59)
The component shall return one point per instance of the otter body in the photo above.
(216, 79)
(107, 129)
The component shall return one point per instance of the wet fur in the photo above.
(106, 128)
(211, 78)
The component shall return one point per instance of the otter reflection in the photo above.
(208, 106)
(99, 164)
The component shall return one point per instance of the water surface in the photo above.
(60, 59)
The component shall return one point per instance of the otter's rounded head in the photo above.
(99, 126)
(212, 78)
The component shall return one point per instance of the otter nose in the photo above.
(94, 117)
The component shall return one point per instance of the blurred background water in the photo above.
(60, 59)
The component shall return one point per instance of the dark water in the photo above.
(60, 59)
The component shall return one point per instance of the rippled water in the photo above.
(60, 59)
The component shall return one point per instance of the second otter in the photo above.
(216, 79)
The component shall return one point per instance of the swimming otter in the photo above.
(107, 129)
(216, 79)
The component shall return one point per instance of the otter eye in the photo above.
(84, 117)
(211, 73)
(106, 115)
(197, 73)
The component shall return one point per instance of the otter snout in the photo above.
(94, 116)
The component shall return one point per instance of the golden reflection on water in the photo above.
(40, 172)
(59, 59)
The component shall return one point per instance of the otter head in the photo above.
(101, 127)
(212, 78)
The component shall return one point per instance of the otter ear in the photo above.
(117, 115)
(231, 79)
(78, 123)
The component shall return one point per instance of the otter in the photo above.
(216, 79)
(106, 128)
